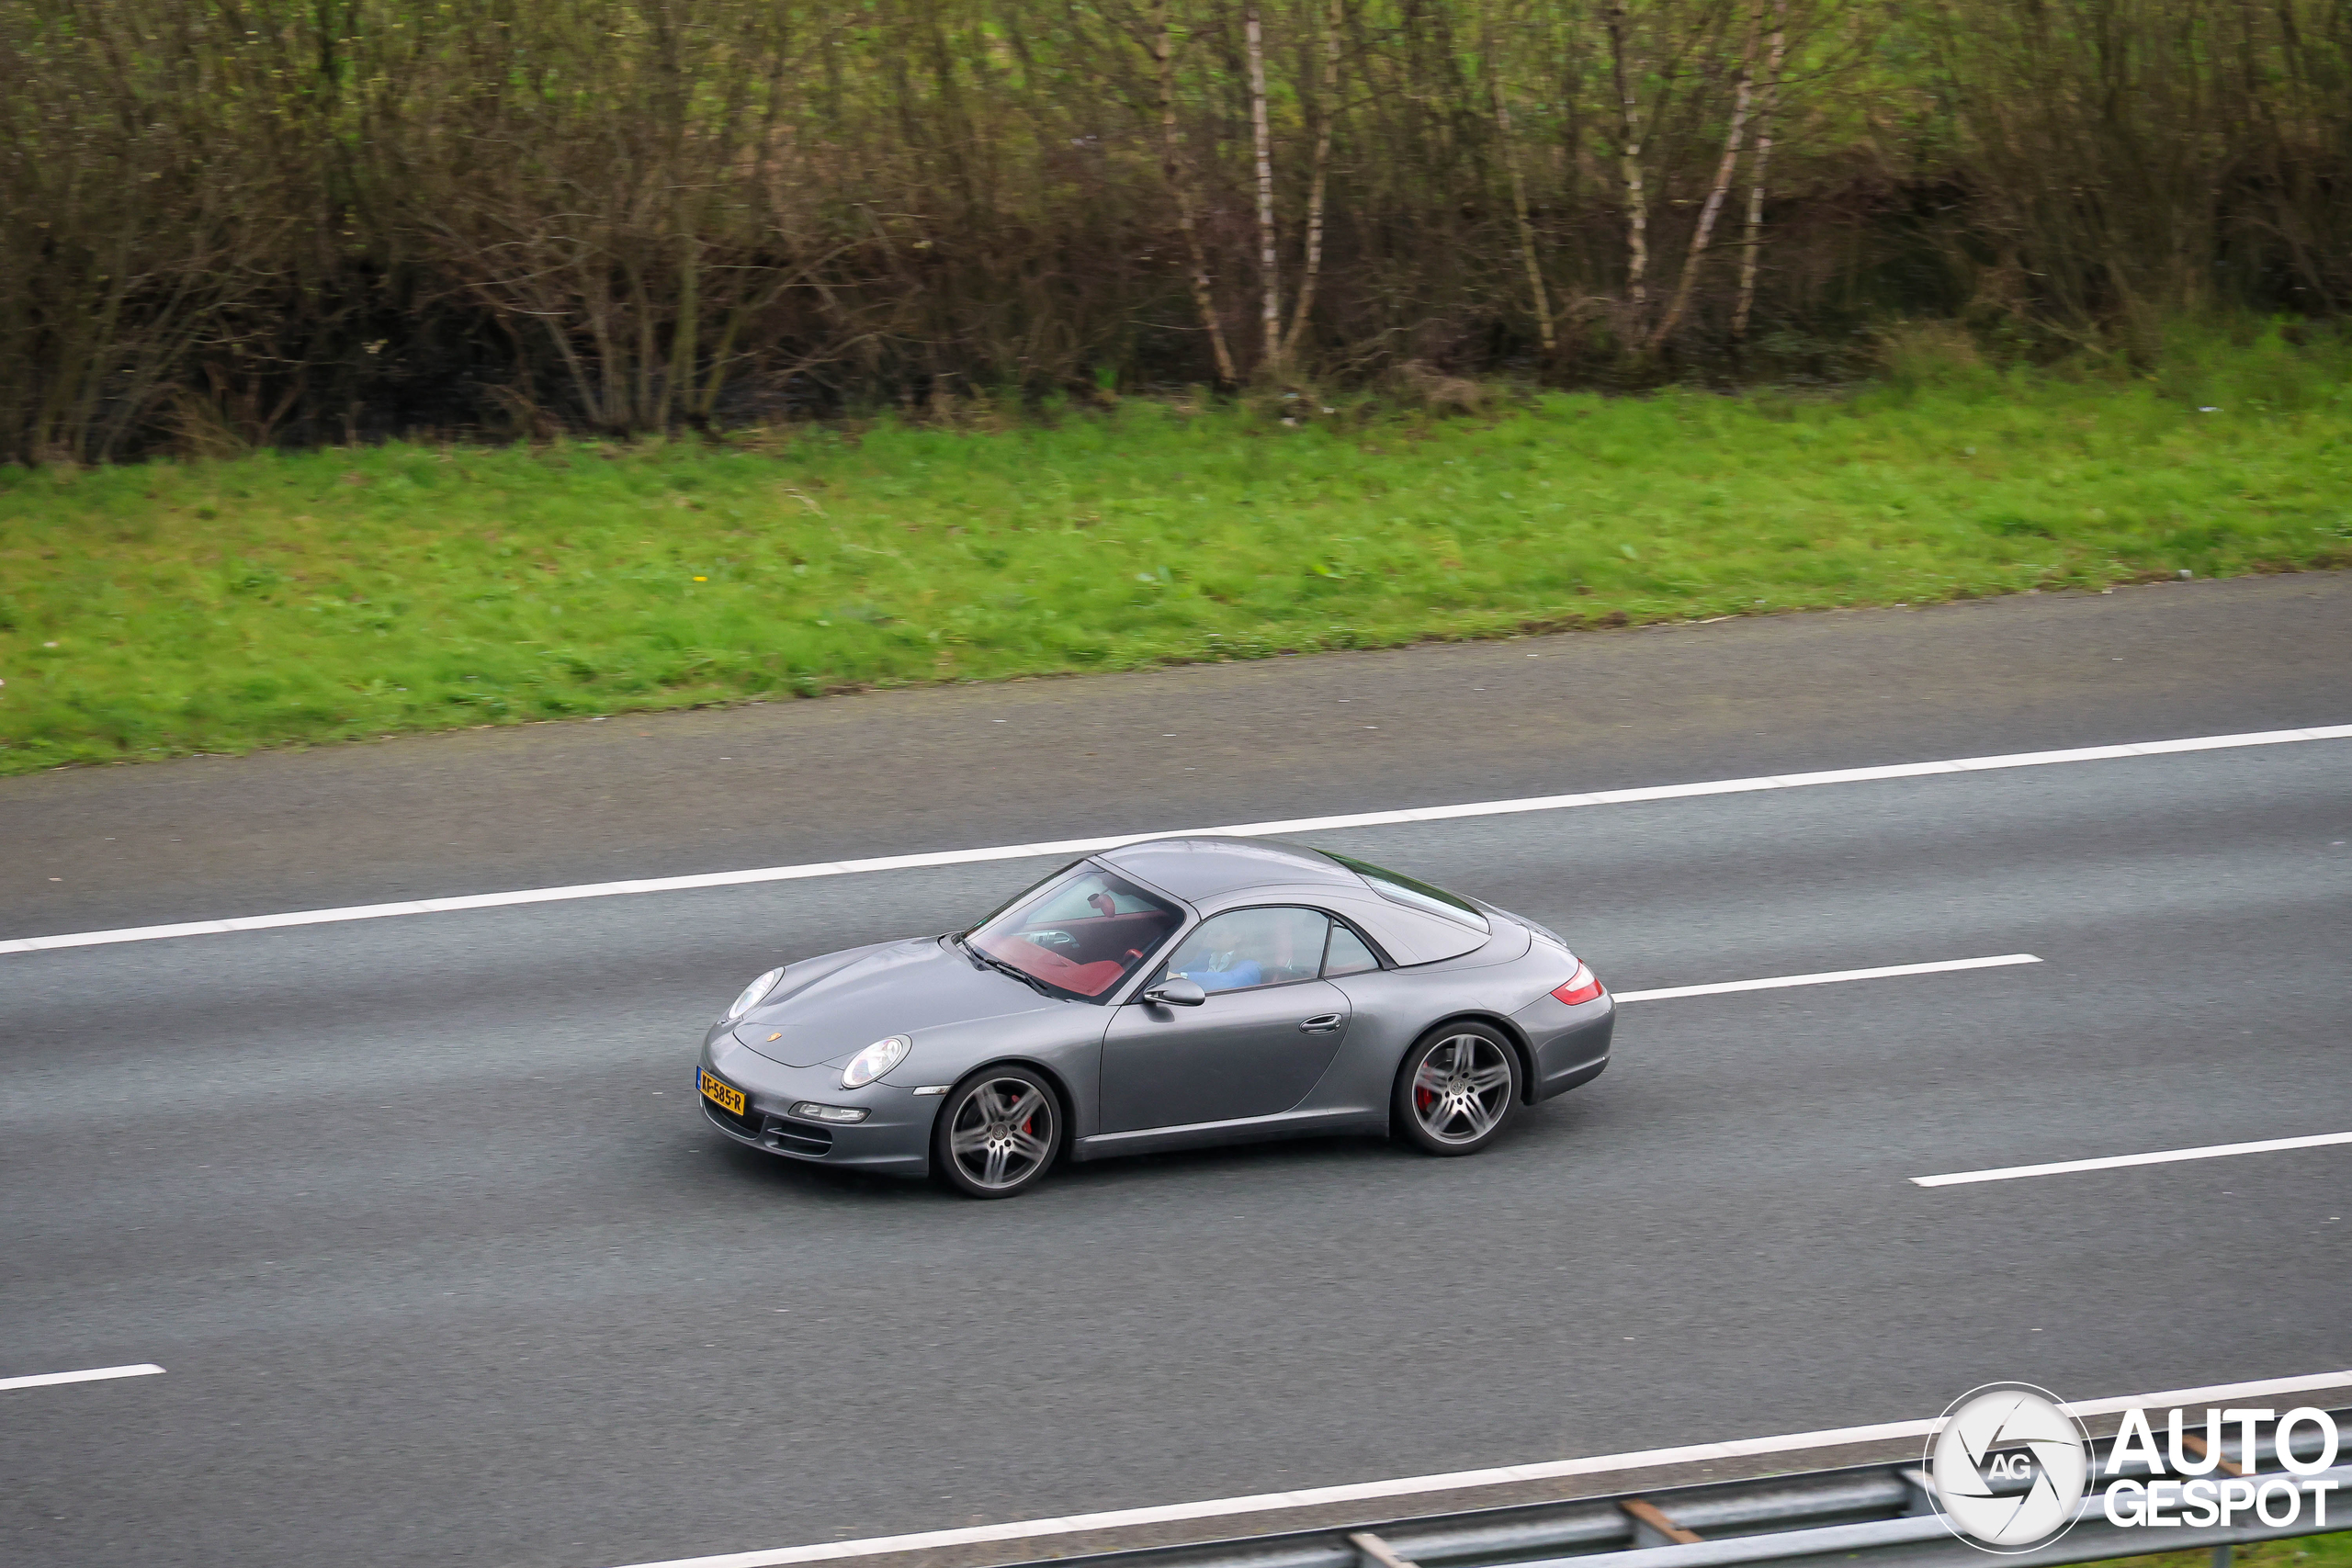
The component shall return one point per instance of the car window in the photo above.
(1414, 893)
(1243, 948)
(1347, 955)
(1086, 896)
(1081, 933)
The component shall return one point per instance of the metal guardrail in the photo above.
(1868, 1514)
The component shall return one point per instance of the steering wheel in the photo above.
(1054, 941)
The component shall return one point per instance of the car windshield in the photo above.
(1081, 933)
(1414, 893)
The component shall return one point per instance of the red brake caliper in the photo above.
(1423, 1097)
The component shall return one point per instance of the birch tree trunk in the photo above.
(1270, 278)
(1707, 214)
(1519, 207)
(1629, 161)
(677, 387)
(1163, 54)
(1752, 243)
(1328, 109)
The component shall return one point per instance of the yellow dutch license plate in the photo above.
(727, 1097)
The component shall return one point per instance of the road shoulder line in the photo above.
(1262, 1502)
(93, 1374)
(1826, 977)
(2118, 1162)
(1088, 846)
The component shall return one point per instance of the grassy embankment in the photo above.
(216, 606)
(2303, 1551)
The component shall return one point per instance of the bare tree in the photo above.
(233, 224)
(1519, 211)
(1716, 193)
(1327, 109)
(1262, 141)
(1162, 44)
(1752, 241)
(1626, 76)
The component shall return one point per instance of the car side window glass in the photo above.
(1244, 948)
(1347, 955)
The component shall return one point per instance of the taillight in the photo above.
(1581, 987)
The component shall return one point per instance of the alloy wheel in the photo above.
(1002, 1134)
(1462, 1088)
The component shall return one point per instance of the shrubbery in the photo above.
(225, 226)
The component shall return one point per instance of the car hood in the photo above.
(898, 988)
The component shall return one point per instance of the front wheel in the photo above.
(1456, 1089)
(998, 1134)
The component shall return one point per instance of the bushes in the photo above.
(277, 224)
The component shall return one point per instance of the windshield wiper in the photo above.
(994, 962)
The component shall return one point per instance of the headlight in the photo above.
(751, 993)
(876, 1060)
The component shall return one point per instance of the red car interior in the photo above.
(1087, 956)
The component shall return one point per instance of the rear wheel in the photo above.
(1456, 1089)
(998, 1134)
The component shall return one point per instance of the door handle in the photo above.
(1322, 1023)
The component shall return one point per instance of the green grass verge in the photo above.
(215, 607)
(2303, 1551)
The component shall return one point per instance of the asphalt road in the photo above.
(422, 1217)
(942, 768)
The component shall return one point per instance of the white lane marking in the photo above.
(96, 1374)
(1458, 1481)
(1828, 977)
(2113, 1162)
(1088, 846)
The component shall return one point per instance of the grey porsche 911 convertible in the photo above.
(1166, 994)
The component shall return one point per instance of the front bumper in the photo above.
(1570, 1044)
(894, 1139)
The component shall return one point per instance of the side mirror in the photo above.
(1175, 992)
